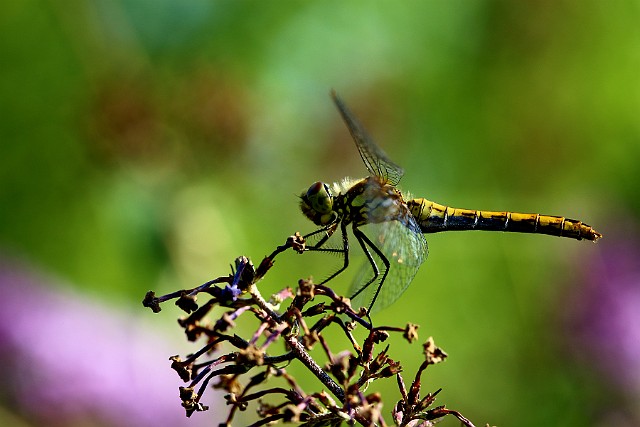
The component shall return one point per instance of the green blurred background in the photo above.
(146, 144)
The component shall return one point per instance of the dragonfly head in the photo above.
(317, 204)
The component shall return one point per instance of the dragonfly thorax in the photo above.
(317, 204)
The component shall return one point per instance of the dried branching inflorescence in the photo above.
(246, 373)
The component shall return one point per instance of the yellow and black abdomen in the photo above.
(434, 217)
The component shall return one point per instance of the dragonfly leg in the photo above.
(329, 230)
(364, 242)
(344, 251)
(362, 239)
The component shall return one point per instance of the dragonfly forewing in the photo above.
(374, 158)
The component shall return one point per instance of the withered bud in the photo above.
(292, 413)
(193, 331)
(245, 273)
(341, 305)
(362, 311)
(379, 361)
(354, 397)
(341, 366)
(314, 310)
(192, 407)
(427, 400)
(187, 302)
(183, 370)
(228, 383)
(187, 393)
(367, 348)
(411, 332)
(398, 412)
(189, 401)
(306, 288)
(265, 410)
(374, 397)
(309, 340)
(392, 369)
(150, 300)
(325, 399)
(279, 297)
(297, 243)
(371, 413)
(250, 355)
(353, 366)
(261, 377)
(379, 336)
(232, 399)
(432, 353)
(225, 322)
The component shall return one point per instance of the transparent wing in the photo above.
(404, 245)
(373, 157)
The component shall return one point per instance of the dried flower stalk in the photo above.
(248, 372)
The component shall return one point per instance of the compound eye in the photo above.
(319, 198)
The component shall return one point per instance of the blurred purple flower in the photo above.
(604, 315)
(69, 360)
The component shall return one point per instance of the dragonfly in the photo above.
(397, 223)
